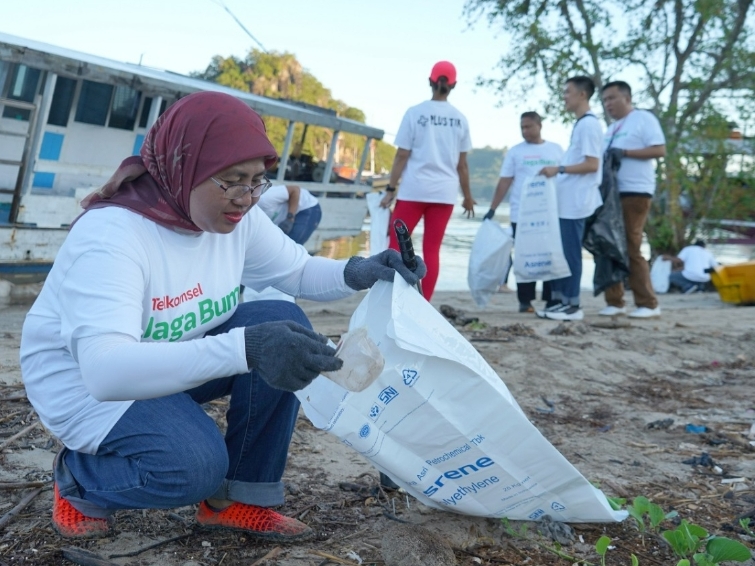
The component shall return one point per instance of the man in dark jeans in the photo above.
(522, 162)
(577, 187)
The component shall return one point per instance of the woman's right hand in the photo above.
(287, 355)
(388, 199)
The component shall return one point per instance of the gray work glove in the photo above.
(363, 272)
(288, 224)
(489, 215)
(287, 355)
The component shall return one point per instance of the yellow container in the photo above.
(735, 283)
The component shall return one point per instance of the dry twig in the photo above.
(150, 546)
(5, 519)
(272, 554)
(18, 435)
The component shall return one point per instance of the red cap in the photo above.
(443, 69)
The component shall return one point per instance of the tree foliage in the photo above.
(281, 75)
(692, 62)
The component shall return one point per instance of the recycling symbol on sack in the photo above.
(410, 376)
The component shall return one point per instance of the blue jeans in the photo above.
(167, 452)
(678, 280)
(567, 289)
(305, 222)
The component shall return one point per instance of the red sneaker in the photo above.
(259, 522)
(72, 523)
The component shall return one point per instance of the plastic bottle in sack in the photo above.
(362, 361)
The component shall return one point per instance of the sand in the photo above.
(611, 384)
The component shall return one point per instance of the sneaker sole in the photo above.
(561, 316)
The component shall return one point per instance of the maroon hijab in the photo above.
(197, 137)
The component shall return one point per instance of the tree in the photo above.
(693, 61)
(280, 75)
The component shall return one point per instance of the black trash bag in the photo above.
(605, 237)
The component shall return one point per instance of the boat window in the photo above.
(144, 117)
(145, 112)
(94, 103)
(4, 69)
(62, 100)
(125, 107)
(23, 85)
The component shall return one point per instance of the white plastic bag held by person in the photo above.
(379, 219)
(539, 255)
(442, 424)
(488, 261)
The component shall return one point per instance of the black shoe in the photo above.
(526, 307)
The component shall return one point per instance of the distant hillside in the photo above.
(484, 170)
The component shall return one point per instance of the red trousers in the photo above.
(436, 217)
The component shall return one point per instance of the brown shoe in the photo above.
(259, 522)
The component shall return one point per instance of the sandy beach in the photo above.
(622, 391)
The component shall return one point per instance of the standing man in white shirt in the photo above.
(636, 138)
(431, 161)
(577, 188)
(295, 210)
(522, 162)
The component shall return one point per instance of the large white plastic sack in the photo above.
(539, 254)
(379, 219)
(660, 271)
(442, 424)
(489, 260)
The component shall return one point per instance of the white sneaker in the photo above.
(568, 313)
(644, 312)
(554, 308)
(612, 311)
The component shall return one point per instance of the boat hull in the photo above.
(27, 251)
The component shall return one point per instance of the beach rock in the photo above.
(412, 545)
(555, 530)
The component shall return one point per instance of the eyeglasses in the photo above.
(233, 192)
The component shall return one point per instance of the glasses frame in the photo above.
(255, 190)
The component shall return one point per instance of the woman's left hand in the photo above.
(468, 206)
(363, 272)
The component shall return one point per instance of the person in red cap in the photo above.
(139, 324)
(431, 161)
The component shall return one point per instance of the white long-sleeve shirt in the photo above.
(123, 314)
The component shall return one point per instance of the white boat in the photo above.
(67, 120)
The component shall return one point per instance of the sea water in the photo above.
(457, 243)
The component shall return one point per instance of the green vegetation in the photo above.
(484, 171)
(689, 542)
(280, 75)
(689, 61)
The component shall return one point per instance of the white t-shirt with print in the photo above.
(524, 161)
(579, 195)
(121, 275)
(696, 260)
(637, 130)
(436, 133)
(274, 202)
